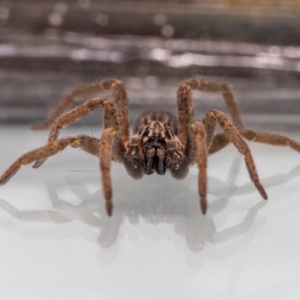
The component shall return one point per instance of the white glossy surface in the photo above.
(57, 242)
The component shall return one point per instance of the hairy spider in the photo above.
(160, 142)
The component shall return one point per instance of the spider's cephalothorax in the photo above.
(155, 147)
(160, 142)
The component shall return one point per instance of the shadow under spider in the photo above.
(175, 207)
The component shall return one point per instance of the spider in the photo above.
(160, 141)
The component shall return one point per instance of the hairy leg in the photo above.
(186, 106)
(87, 144)
(105, 154)
(101, 148)
(234, 136)
(269, 138)
(107, 148)
(214, 142)
(219, 141)
(110, 121)
(119, 96)
(37, 154)
(91, 145)
(79, 112)
(198, 132)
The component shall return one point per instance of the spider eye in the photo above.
(178, 166)
(134, 164)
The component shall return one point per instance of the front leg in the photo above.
(109, 147)
(234, 136)
(270, 138)
(36, 155)
(185, 102)
(198, 135)
(102, 148)
(75, 114)
(105, 154)
(110, 119)
(119, 96)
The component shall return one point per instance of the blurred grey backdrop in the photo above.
(47, 48)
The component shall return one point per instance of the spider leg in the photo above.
(234, 136)
(218, 142)
(186, 106)
(106, 149)
(37, 154)
(119, 96)
(71, 116)
(88, 144)
(198, 132)
(269, 138)
(105, 154)
(214, 142)
(101, 148)
(91, 145)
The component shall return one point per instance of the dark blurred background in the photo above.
(49, 47)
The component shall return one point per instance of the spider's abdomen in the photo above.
(164, 117)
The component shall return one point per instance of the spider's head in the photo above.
(154, 149)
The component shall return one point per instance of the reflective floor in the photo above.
(58, 243)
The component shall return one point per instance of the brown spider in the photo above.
(160, 141)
